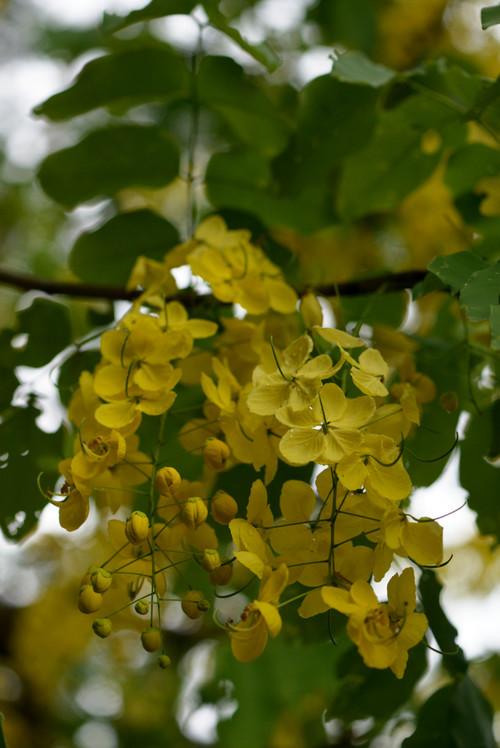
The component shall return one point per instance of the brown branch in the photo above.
(389, 282)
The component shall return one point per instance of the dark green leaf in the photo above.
(455, 270)
(365, 692)
(434, 722)
(8, 357)
(468, 165)
(335, 120)
(3, 744)
(495, 327)
(444, 632)
(108, 254)
(382, 309)
(481, 292)
(243, 180)
(351, 23)
(272, 685)
(155, 9)
(223, 87)
(355, 67)
(477, 475)
(472, 716)
(49, 331)
(378, 177)
(127, 78)
(263, 53)
(108, 160)
(490, 16)
(29, 451)
(456, 716)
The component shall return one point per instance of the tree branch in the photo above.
(388, 281)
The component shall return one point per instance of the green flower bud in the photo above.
(209, 559)
(142, 607)
(216, 454)
(164, 661)
(102, 627)
(190, 602)
(137, 528)
(167, 481)
(89, 600)
(223, 508)
(151, 639)
(221, 575)
(194, 513)
(101, 580)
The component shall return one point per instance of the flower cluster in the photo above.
(278, 385)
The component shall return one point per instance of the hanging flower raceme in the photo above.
(264, 391)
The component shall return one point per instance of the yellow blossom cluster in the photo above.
(280, 386)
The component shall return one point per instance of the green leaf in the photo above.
(383, 309)
(468, 165)
(481, 292)
(155, 9)
(285, 677)
(456, 716)
(243, 180)
(8, 360)
(3, 744)
(108, 254)
(472, 721)
(263, 53)
(444, 632)
(477, 473)
(380, 176)
(253, 117)
(26, 452)
(434, 723)
(490, 16)
(455, 270)
(495, 326)
(355, 67)
(108, 160)
(363, 692)
(49, 331)
(351, 23)
(335, 119)
(126, 78)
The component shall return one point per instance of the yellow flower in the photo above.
(260, 618)
(296, 383)
(383, 632)
(238, 271)
(369, 372)
(328, 431)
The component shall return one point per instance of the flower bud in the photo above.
(223, 508)
(89, 600)
(209, 559)
(151, 639)
(167, 481)
(190, 602)
(164, 661)
(86, 577)
(311, 311)
(449, 401)
(142, 607)
(101, 580)
(102, 627)
(137, 528)
(194, 513)
(221, 576)
(216, 454)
